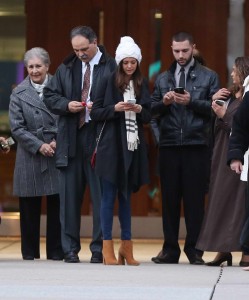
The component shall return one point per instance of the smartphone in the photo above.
(131, 101)
(220, 102)
(179, 90)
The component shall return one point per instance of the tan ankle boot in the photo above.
(126, 253)
(108, 253)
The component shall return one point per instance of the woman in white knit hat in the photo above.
(123, 103)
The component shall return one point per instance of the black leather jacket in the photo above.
(178, 125)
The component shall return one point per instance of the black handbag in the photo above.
(93, 157)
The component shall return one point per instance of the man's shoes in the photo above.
(165, 258)
(71, 257)
(97, 258)
(196, 260)
(56, 257)
(160, 254)
(28, 257)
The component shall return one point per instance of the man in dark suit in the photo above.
(70, 94)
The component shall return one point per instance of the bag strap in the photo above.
(99, 137)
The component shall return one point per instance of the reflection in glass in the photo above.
(156, 25)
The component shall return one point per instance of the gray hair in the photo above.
(84, 31)
(37, 52)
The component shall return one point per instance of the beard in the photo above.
(185, 62)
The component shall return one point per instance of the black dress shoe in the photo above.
(56, 257)
(28, 257)
(160, 254)
(71, 257)
(165, 258)
(196, 260)
(97, 258)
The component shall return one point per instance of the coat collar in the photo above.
(27, 93)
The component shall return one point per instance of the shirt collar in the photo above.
(95, 60)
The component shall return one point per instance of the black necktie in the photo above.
(182, 78)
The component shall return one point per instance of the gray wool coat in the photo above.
(31, 125)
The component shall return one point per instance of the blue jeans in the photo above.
(106, 213)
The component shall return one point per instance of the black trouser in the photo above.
(183, 175)
(30, 212)
(73, 181)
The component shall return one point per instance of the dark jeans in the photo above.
(110, 192)
(244, 238)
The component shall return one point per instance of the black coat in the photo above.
(65, 87)
(114, 162)
(239, 139)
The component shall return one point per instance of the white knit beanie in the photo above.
(127, 48)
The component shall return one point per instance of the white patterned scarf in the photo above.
(39, 87)
(243, 175)
(130, 120)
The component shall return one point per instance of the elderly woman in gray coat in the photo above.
(34, 128)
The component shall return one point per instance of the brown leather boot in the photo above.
(125, 253)
(108, 253)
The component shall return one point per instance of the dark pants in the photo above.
(183, 175)
(110, 191)
(244, 238)
(73, 181)
(30, 212)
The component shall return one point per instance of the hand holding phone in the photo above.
(4, 145)
(131, 101)
(179, 90)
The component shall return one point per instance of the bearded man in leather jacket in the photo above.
(77, 136)
(183, 122)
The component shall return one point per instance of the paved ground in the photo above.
(42, 279)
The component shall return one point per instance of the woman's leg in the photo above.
(107, 205)
(53, 243)
(124, 213)
(30, 211)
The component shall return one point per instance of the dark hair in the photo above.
(198, 56)
(122, 83)
(84, 31)
(242, 66)
(183, 36)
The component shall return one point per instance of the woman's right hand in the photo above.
(236, 165)
(3, 140)
(221, 94)
(123, 106)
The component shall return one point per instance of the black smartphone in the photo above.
(179, 90)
